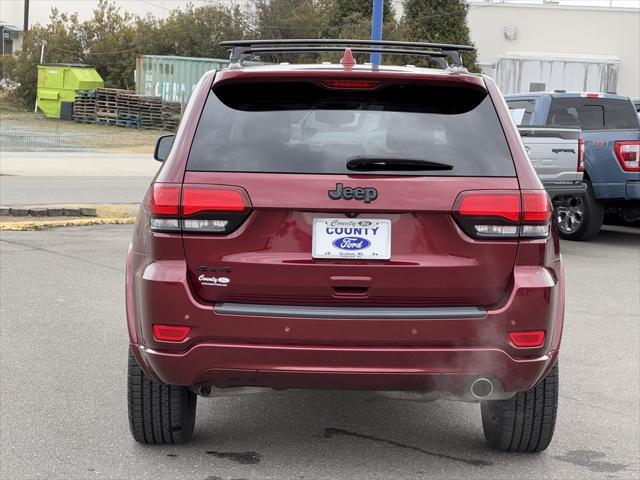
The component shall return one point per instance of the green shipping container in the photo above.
(58, 82)
(174, 78)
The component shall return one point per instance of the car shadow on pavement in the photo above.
(618, 235)
(335, 433)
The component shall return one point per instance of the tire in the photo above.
(587, 209)
(158, 414)
(524, 423)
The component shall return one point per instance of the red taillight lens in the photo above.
(349, 84)
(170, 333)
(484, 214)
(536, 207)
(527, 339)
(205, 199)
(580, 155)
(591, 95)
(503, 205)
(164, 199)
(628, 154)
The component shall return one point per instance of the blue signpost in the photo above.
(376, 27)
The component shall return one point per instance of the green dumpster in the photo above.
(59, 81)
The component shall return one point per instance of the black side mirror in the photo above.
(163, 147)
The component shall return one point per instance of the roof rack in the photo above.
(446, 54)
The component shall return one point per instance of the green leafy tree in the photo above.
(108, 40)
(292, 18)
(354, 16)
(439, 21)
(192, 32)
(320, 19)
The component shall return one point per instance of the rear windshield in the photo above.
(592, 113)
(306, 128)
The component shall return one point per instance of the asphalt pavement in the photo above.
(63, 348)
(52, 178)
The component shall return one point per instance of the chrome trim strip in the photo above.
(365, 313)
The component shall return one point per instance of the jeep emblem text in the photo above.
(368, 194)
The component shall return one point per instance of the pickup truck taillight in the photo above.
(491, 215)
(580, 155)
(197, 208)
(628, 154)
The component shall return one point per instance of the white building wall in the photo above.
(11, 12)
(564, 31)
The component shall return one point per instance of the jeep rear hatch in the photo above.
(286, 182)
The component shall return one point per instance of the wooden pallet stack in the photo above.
(125, 108)
(107, 105)
(128, 110)
(84, 106)
(150, 112)
(171, 113)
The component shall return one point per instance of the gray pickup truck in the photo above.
(557, 154)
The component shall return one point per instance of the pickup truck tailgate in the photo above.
(553, 153)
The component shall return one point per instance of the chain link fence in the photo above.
(33, 132)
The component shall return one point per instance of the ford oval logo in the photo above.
(351, 243)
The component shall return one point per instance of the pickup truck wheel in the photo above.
(525, 422)
(158, 414)
(580, 217)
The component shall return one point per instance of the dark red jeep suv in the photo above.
(346, 226)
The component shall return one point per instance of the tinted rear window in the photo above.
(592, 113)
(305, 128)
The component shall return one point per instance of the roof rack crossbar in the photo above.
(241, 49)
(438, 57)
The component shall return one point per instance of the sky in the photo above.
(11, 10)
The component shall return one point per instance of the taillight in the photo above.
(527, 339)
(165, 199)
(580, 155)
(197, 208)
(492, 215)
(628, 154)
(164, 207)
(170, 333)
(591, 95)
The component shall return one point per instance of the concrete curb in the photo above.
(48, 212)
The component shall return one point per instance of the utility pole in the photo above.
(25, 25)
(376, 28)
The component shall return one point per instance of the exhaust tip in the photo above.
(204, 391)
(481, 388)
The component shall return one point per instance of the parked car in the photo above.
(611, 131)
(343, 226)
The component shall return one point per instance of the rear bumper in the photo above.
(449, 370)
(441, 353)
(564, 189)
(629, 190)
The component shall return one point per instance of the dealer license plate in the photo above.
(351, 238)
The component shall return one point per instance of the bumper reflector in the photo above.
(533, 338)
(170, 333)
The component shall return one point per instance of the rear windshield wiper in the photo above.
(372, 163)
